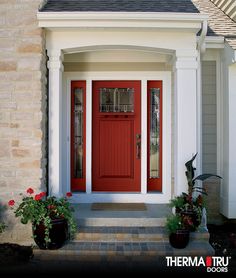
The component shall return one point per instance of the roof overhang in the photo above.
(148, 20)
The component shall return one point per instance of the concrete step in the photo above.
(121, 221)
(129, 234)
(154, 215)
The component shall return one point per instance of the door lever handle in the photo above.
(138, 149)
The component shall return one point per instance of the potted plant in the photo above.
(178, 233)
(191, 204)
(52, 218)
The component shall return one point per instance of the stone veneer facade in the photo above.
(22, 107)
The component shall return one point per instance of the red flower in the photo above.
(68, 194)
(42, 194)
(37, 197)
(30, 190)
(11, 203)
(51, 206)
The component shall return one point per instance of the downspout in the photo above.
(201, 50)
(202, 41)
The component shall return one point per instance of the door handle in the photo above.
(138, 149)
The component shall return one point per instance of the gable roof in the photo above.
(176, 6)
(219, 24)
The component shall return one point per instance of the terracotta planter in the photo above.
(179, 239)
(58, 234)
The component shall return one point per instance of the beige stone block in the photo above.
(8, 105)
(15, 143)
(7, 45)
(6, 85)
(38, 134)
(21, 153)
(9, 33)
(2, 19)
(4, 125)
(14, 125)
(23, 85)
(29, 64)
(29, 48)
(3, 184)
(22, 96)
(24, 76)
(5, 95)
(29, 173)
(24, 133)
(30, 164)
(8, 65)
(7, 173)
(31, 124)
(33, 32)
(7, 133)
(18, 116)
(29, 105)
(32, 142)
(23, 18)
(4, 148)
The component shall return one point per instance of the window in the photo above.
(154, 135)
(78, 135)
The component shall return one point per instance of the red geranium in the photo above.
(30, 190)
(68, 194)
(11, 203)
(37, 197)
(42, 194)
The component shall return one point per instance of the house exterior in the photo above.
(109, 99)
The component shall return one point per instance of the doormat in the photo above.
(119, 206)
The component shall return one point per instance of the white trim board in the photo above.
(89, 196)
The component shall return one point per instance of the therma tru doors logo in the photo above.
(212, 263)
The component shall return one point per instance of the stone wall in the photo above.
(22, 107)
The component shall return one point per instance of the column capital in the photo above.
(186, 59)
(56, 58)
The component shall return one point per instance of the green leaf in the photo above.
(204, 177)
(189, 165)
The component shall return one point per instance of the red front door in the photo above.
(116, 153)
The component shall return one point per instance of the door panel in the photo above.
(116, 146)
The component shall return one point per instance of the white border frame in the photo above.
(144, 76)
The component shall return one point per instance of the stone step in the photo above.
(111, 250)
(129, 234)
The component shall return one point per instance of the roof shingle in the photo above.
(181, 6)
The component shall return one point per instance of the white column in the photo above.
(185, 116)
(231, 163)
(55, 111)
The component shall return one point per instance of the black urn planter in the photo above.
(58, 234)
(179, 239)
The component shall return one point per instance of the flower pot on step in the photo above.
(179, 239)
(58, 234)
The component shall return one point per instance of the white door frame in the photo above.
(89, 196)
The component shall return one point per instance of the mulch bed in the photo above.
(223, 239)
(11, 254)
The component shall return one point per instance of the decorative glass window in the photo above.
(154, 151)
(116, 100)
(78, 132)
